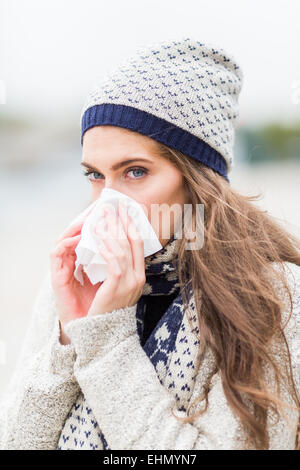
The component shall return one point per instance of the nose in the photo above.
(111, 185)
(108, 185)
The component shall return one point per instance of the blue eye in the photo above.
(143, 170)
(87, 173)
(95, 178)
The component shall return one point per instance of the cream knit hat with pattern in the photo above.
(183, 93)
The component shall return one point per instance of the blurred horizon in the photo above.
(52, 53)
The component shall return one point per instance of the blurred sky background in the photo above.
(51, 54)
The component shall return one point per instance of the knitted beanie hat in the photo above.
(182, 93)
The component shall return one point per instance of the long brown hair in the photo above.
(241, 310)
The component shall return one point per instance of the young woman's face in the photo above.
(153, 180)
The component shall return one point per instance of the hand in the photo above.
(72, 299)
(123, 251)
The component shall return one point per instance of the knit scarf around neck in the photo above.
(161, 280)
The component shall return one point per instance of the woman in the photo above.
(194, 347)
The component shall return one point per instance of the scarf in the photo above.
(160, 289)
(169, 336)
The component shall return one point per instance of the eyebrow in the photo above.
(118, 165)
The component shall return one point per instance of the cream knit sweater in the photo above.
(106, 364)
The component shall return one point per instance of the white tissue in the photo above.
(88, 258)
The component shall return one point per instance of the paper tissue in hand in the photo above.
(88, 258)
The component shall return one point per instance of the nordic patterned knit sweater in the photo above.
(108, 390)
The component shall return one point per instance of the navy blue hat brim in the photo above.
(156, 128)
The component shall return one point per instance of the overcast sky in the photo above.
(52, 50)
